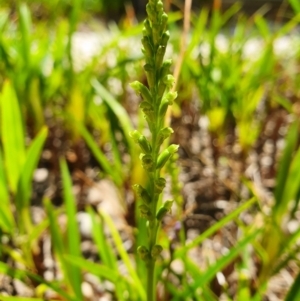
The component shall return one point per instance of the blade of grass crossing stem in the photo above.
(105, 251)
(105, 164)
(57, 242)
(124, 255)
(24, 185)
(73, 235)
(6, 217)
(294, 292)
(221, 263)
(103, 272)
(24, 275)
(12, 133)
(180, 253)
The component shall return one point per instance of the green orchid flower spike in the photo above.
(156, 98)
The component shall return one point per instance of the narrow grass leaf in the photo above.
(6, 217)
(292, 186)
(124, 255)
(57, 240)
(7, 298)
(295, 5)
(12, 133)
(294, 292)
(32, 159)
(24, 275)
(118, 110)
(103, 161)
(99, 270)
(73, 235)
(220, 224)
(285, 161)
(221, 263)
(105, 251)
(25, 28)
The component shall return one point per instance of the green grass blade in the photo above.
(6, 217)
(99, 270)
(57, 241)
(221, 263)
(123, 254)
(295, 5)
(180, 253)
(294, 292)
(23, 275)
(103, 161)
(102, 271)
(285, 161)
(12, 133)
(105, 251)
(117, 109)
(291, 187)
(73, 235)
(32, 159)
(25, 28)
(6, 298)
(24, 185)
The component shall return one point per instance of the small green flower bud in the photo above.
(166, 208)
(161, 213)
(165, 69)
(141, 89)
(170, 97)
(138, 189)
(142, 193)
(145, 212)
(151, 12)
(145, 196)
(164, 134)
(146, 105)
(166, 155)
(141, 141)
(169, 81)
(147, 47)
(166, 101)
(143, 253)
(148, 110)
(163, 108)
(165, 38)
(135, 135)
(160, 184)
(150, 75)
(147, 162)
(156, 33)
(159, 6)
(164, 21)
(168, 205)
(160, 56)
(147, 28)
(144, 144)
(156, 251)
